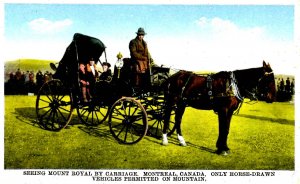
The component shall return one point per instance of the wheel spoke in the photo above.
(125, 137)
(83, 111)
(45, 100)
(96, 116)
(64, 109)
(87, 117)
(41, 116)
(61, 114)
(134, 128)
(92, 117)
(157, 127)
(135, 110)
(53, 119)
(62, 96)
(41, 108)
(119, 113)
(121, 129)
(132, 135)
(117, 118)
(48, 117)
(124, 109)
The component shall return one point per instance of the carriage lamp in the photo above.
(119, 63)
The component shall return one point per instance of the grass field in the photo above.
(261, 137)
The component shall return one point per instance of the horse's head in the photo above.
(266, 85)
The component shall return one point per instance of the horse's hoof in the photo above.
(165, 143)
(223, 152)
(183, 143)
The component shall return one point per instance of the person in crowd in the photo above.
(293, 86)
(10, 86)
(18, 74)
(39, 79)
(288, 85)
(30, 85)
(278, 84)
(281, 88)
(26, 76)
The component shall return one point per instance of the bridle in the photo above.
(252, 95)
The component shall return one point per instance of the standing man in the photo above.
(140, 55)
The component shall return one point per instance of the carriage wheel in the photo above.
(128, 120)
(54, 105)
(92, 114)
(155, 111)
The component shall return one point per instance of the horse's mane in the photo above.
(221, 74)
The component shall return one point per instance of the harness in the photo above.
(231, 87)
(183, 88)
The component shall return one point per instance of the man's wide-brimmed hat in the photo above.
(141, 31)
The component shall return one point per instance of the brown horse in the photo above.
(222, 92)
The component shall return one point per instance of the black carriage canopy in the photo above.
(85, 48)
(81, 50)
(88, 47)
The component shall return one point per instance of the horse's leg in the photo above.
(178, 118)
(167, 115)
(224, 125)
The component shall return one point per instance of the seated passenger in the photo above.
(92, 74)
(106, 74)
(84, 84)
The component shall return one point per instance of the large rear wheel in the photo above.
(54, 105)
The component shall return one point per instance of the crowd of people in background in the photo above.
(21, 82)
(285, 89)
(286, 86)
(27, 82)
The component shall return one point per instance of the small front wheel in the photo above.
(128, 120)
(92, 114)
(155, 110)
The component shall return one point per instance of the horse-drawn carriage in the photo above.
(130, 108)
(132, 111)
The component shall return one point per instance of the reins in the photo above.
(186, 83)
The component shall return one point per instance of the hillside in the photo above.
(28, 64)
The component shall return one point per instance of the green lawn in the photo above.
(261, 137)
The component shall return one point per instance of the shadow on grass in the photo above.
(272, 120)
(202, 148)
(100, 131)
(28, 115)
(173, 140)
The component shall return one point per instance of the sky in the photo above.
(195, 37)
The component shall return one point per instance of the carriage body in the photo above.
(128, 108)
